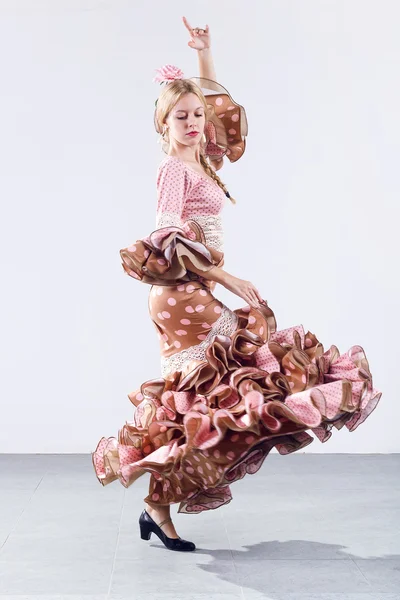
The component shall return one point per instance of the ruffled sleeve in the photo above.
(157, 259)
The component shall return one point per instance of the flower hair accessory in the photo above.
(168, 73)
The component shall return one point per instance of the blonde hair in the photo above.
(169, 96)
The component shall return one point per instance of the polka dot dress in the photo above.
(185, 315)
(233, 386)
(182, 194)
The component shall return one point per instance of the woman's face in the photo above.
(187, 115)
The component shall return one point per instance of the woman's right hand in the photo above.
(244, 289)
(241, 287)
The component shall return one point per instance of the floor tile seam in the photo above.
(21, 513)
(230, 550)
(366, 579)
(116, 547)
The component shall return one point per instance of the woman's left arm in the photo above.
(201, 41)
(206, 65)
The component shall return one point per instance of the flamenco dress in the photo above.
(232, 385)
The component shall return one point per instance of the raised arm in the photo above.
(201, 41)
(206, 64)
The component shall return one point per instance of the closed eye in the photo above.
(180, 118)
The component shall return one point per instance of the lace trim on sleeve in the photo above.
(165, 219)
(211, 225)
(212, 228)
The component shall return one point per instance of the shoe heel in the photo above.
(145, 531)
(149, 526)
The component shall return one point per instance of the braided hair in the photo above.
(169, 96)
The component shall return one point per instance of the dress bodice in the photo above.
(184, 194)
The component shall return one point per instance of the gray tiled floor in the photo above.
(305, 527)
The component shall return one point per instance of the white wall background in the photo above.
(316, 226)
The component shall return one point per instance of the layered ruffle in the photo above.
(257, 389)
(158, 258)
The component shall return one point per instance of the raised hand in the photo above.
(200, 37)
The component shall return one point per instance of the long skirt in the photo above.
(232, 387)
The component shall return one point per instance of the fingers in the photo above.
(186, 23)
(251, 298)
(191, 29)
(260, 298)
(258, 295)
(255, 296)
(254, 300)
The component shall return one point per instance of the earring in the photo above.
(161, 137)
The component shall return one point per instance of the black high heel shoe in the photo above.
(148, 526)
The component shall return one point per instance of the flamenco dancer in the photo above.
(232, 385)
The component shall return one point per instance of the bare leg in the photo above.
(158, 513)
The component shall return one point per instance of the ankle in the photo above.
(161, 511)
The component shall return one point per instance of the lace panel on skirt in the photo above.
(224, 325)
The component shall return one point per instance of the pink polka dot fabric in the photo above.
(185, 193)
(173, 186)
(235, 386)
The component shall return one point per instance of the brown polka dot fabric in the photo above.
(232, 386)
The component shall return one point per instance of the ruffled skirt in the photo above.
(232, 388)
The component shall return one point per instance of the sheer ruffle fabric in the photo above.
(203, 427)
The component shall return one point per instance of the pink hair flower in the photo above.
(168, 73)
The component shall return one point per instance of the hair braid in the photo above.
(168, 97)
(211, 172)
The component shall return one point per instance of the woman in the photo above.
(232, 385)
